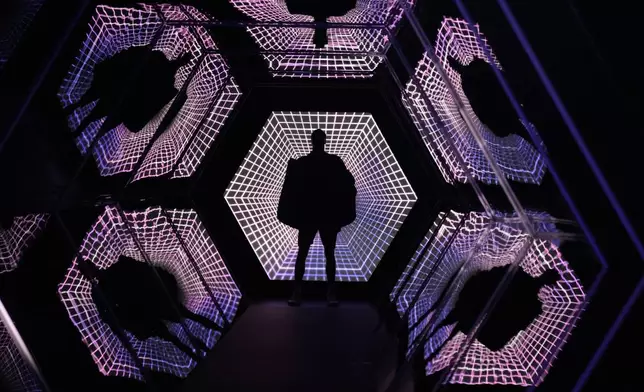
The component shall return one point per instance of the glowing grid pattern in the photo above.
(211, 93)
(322, 62)
(105, 242)
(15, 375)
(526, 358)
(14, 241)
(517, 158)
(384, 196)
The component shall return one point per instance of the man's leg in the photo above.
(162, 331)
(304, 240)
(329, 237)
(205, 321)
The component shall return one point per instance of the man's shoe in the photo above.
(296, 298)
(331, 297)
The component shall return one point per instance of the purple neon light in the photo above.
(105, 242)
(15, 375)
(14, 241)
(517, 158)
(211, 94)
(383, 201)
(324, 63)
(524, 360)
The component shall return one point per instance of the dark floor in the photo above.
(274, 347)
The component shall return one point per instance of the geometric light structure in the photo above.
(15, 374)
(108, 239)
(211, 92)
(323, 62)
(480, 244)
(516, 157)
(14, 241)
(384, 195)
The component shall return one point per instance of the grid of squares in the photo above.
(516, 157)
(108, 239)
(15, 375)
(17, 238)
(211, 94)
(482, 244)
(384, 195)
(320, 64)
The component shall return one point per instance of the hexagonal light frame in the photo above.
(109, 238)
(211, 92)
(527, 357)
(322, 62)
(516, 157)
(384, 198)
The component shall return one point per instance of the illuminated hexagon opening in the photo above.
(321, 62)
(527, 357)
(211, 94)
(106, 241)
(516, 157)
(384, 196)
(16, 239)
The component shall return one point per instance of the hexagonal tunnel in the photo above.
(384, 196)
(420, 254)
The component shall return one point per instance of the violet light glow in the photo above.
(211, 94)
(384, 197)
(14, 241)
(516, 157)
(526, 358)
(317, 62)
(105, 242)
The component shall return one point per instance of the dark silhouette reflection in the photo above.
(487, 97)
(518, 306)
(140, 304)
(318, 195)
(320, 10)
(130, 89)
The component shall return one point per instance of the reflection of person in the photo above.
(320, 10)
(487, 97)
(139, 302)
(126, 93)
(318, 196)
(517, 307)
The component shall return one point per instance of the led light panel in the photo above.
(211, 93)
(384, 195)
(15, 375)
(516, 157)
(526, 358)
(322, 62)
(14, 241)
(106, 241)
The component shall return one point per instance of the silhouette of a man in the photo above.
(517, 307)
(130, 88)
(487, 97)
(140, 302)
(321, 10)
(318, 196)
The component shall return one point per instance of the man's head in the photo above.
(318, 139)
